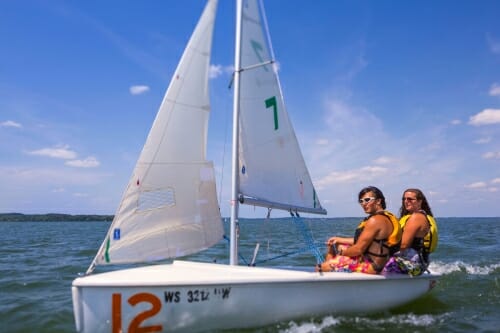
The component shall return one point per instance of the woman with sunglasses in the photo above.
(376, 238)
(420, 234)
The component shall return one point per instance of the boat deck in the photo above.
(195, 273)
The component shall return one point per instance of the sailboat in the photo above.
(170, 209)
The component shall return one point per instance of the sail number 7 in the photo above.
(271, 102)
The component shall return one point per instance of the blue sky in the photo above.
(394, 94)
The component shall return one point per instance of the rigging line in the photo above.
(239, 254)
(266, 222)
(301, 250)
(226, 122)
(226, 126)
(306, 233)
(266, 29)
(230, 85)
(281, 256)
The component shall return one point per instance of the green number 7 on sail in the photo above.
(271, 102)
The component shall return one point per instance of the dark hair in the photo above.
(420, 196)
(378, 194)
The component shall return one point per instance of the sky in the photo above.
(395, 94)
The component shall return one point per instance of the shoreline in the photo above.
(54, 217)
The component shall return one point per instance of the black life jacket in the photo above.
(392, 242)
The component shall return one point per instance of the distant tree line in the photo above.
(52, 217)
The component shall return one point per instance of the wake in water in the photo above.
(404, 321)
(430, 315)
(460, 266)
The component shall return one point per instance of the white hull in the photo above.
(188, 296)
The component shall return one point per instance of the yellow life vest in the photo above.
(431, 238)
(393, 241)
(396, 235)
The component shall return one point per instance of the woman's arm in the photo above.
(416, 226)
(340, 240)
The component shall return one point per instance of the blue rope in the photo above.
(306, 233)
(308, 238)
(239, 254)
(269, 259)
(302, 250)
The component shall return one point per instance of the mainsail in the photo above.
(272, 172)
(170, 207)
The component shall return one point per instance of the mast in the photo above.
(233, 242)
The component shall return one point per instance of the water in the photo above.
(39, 260)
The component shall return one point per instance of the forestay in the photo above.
(272, 171)
(170, 207)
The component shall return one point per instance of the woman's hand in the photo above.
(335, 240)
(332, 241)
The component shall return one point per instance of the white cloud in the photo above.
(58, 190)
(366, 173)
(495, 89)
(65, 153)
(456, 122)
(494, 45)
(277, 66)
(62, 152)
(496, 181)
(486, 117)
(482, 140)
(476, 185)
(53, 177)
(482, 186)
(217, 70)
(347, 121)
(491, 155)
(383, 160)
(89, 162)
(10, 123)
(137, 90)
(322, 142)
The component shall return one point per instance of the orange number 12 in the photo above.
(134, 327)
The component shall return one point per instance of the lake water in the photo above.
(39, 260)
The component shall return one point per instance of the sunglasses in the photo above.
(366, 200)
(409, 199)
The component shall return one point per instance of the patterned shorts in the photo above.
(358, 264)
(406, 262)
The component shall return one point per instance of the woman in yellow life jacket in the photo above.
(420, 234)
(374, 241)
